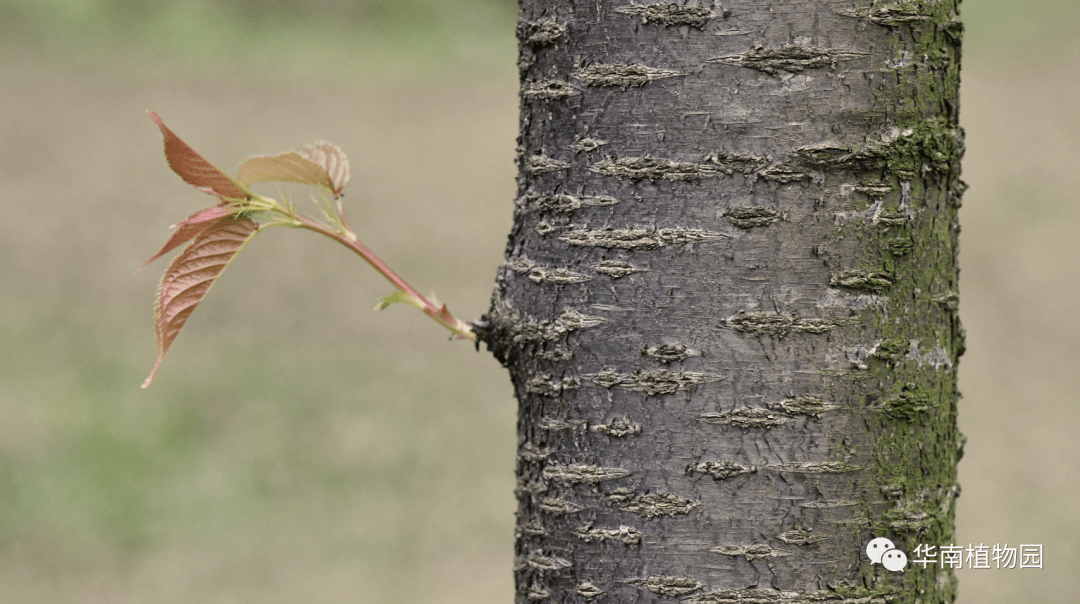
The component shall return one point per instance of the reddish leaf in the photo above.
(188, 228)
(333, 160)
(194, 168)
(286, 167)
(190, 276)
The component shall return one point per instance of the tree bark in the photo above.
(729, 302)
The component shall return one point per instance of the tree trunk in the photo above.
(729, 302)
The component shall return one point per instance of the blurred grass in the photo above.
(334, 40)
(297, 446)
(1005, 30)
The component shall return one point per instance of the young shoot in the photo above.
(218, 233)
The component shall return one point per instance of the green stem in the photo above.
(460, 328)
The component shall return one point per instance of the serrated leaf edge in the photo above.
(333, 160)
(195, 169)
(168, 325)
(190, 228)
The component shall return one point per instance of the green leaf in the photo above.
(192, 274)
(399, 297)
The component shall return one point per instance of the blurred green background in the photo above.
(298, 447)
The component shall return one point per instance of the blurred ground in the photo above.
(297, 446)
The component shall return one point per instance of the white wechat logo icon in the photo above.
(894, 560)
(883, 551)
(877, 547)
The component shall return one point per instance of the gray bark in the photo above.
(729, 302)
